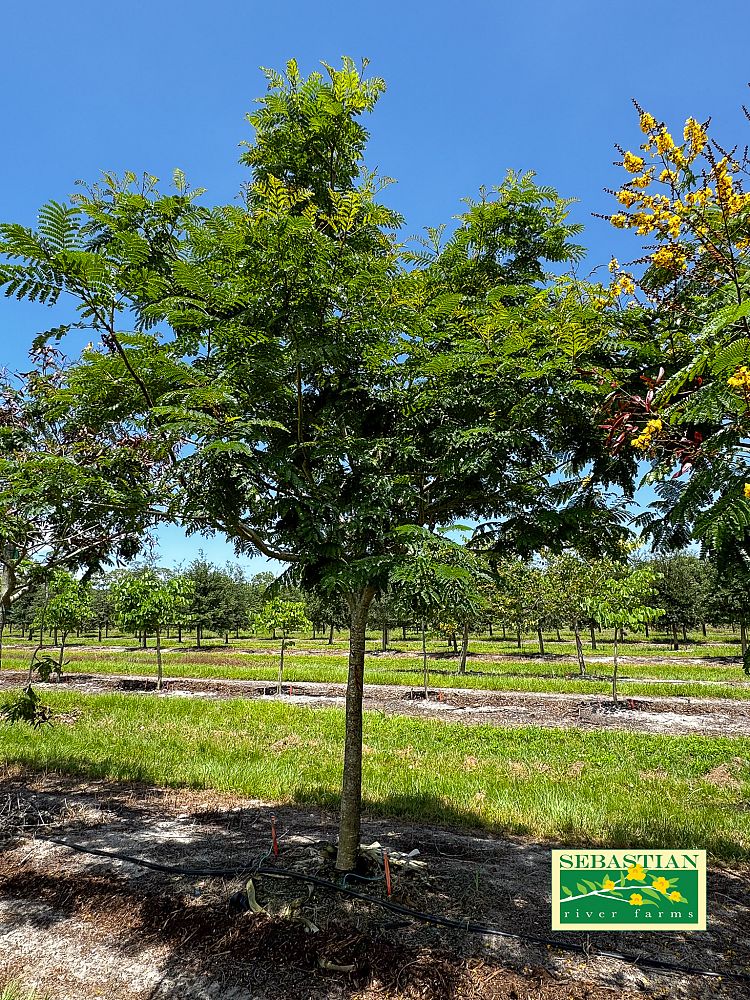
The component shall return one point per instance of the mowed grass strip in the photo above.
(615, 789)
(530, 677)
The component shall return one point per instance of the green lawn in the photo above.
(617, 789)
(650, 679)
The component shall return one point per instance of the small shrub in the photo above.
(26, 706)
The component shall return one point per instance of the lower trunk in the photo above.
(100, 634)
(684, 634)
(579, 653)
(703, 629)
(647, 632)
(351, 787)
(489, 626)
(464, 650)
(226, 638)
(743, 636)
(403, 632)
(424, 658)
(280, 684)
(593, 636)
(198, 636)
(675, 643)
(540, 637)
(518, 636)
(330, 635)
(62, 655)
(614, 671)
(384, 639)
(179, 633)
(2, 629)
(158, 661)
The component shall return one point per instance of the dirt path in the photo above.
(677, 716)
(82, 927)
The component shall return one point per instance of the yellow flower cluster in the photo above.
(613, 265)
(671, 258)
(643, 443)
(740, 379)
(632, 163)
(695, 136)
(746, 491)
(624, 285)
(648, 123)
(636, 899)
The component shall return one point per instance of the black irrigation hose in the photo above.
(656, 964)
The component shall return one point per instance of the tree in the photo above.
(574, 585)
(71, 497)
(213, 605)
(437, 578)
(147, 602)
(68, 603)
(680, 591)
(621, 604)
(326, 392)
(681, 398)
(285, 617)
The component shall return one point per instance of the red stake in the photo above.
(274, 842)
(387, 866)
(290, 689)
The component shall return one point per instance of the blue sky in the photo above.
(473, 89)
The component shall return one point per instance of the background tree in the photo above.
(147, 602)
(68, 604)
(624, 603)
(286, 617)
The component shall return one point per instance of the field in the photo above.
(500, 763)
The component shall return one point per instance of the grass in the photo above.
(727, 682)
(610, 789)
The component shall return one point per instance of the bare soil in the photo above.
(80, 926)
(678, 716)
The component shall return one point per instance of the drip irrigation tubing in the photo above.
(656, 964)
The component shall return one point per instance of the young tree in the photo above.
(68, 603)
(285, 617)
(148, 602)
(623, 604)
(325, 391)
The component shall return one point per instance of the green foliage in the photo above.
(146, 602)
(26, 706)
(279, 615)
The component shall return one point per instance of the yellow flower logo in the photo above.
(636, 899)
(675, 896)
(661, 884)
(637, 873)
(608, 884)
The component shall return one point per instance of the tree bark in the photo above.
(464, 650)
(384, 639)
(614, 671)
(743, 636)
(424, 658)
(158, 660)
(579, 652)
(351, 787)
(593, 636)
(675, 643)
(281, 666)
(540, 637)
(330, 635)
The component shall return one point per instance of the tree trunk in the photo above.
(647, 632)
(281, 665)
(403, 632)
(226, 638)
(384, 639)
(158, 660)
(579, 652)
(684, 634)
(489, 626)
(464, 650)
(100, 633)
(351, 787)
(559, 637)
(179, 633)
(675, 643)
(518, 636)
(614, 671)
(62, 655)
(540, 637)
(703, 629)
(198, 636)
(743, 636)
(330, 635)
(593, 636)
(2, 629)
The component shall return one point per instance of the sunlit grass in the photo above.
(618, 789)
